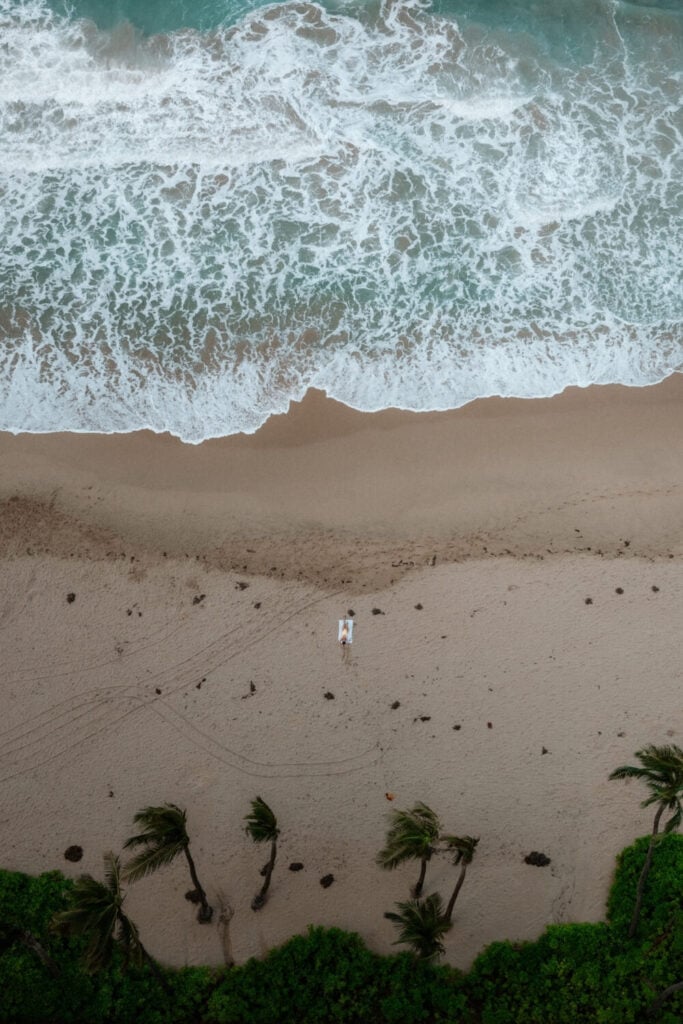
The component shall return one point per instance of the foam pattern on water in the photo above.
(396, 208)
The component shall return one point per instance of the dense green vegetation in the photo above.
(589, 973)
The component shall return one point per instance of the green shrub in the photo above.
(587, 973)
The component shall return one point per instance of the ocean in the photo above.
(209, 206)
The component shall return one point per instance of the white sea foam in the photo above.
(399, 210)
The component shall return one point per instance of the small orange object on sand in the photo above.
(389, 796)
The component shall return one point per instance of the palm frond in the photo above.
(410, 836)
(261, 822)
(92, 912)
(463, 848)
(421, 925)
(674, 822)
(128, 938)
(162, 825)
(150, 859)
(661, 768)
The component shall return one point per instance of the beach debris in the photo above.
(588, 600)
(418, 607)
(71, 598)
(350, 613)
(655, 590)
(390, 796)
(395, 705)
(627, 543)
(544, 750)
(619, 590)
(489, 725)
(129, 611)
(157, 691)
(73, 853)
(257, 604)
(252, 687)
(111, 792)
(241, 585)
(198, 598)
(621, 734)
(423, 718)
(296, 865)
(433, 560)
(329, 695)
(326, 881)
(377, 611)
(457, 726)
(538, 860)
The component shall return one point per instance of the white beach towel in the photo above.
(349, 626)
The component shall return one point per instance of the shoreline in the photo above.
(514, 569)
(320, 492)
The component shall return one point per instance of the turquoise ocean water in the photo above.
(207, 207)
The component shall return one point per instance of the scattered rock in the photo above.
(457, 727)
(157, 690)
(377, 611)
(198, 686)
(241, 585)
(538, 860)
(111, 792)
(418, 607)
(296, 865)
(621, 734)
(198, 598)
(350, 613)
(425, 718)
(589, 600)
(73, 853)
(544, 750)
(619, 590)
(71, 598)
(257, 604)
(433, 560)
(489, 725)
(129, 611)
(395, 705)
(326, 881)
(329, 695)
(655, 590)
(627, 543)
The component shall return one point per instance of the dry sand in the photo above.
(194, 661)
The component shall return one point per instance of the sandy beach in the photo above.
(514, 573)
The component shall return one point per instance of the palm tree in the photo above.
(411, 836)
(422, 925)
(661, 769)
(11, 933)
(163, 838)
(262, 827)
(95, 912)
(463, 848)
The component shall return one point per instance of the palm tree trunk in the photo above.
(657, 1005)
(154, 967)
(417, 890)
(29, 940)
(205, 912)
(458, 886)
(269, 869)
(644, 873)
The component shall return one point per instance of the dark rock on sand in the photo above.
(538, 860)
(71, 598)
(395, 705)
(329, 695)
(326, 881)
(73, 853)
(377, 611)
(296, 865)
